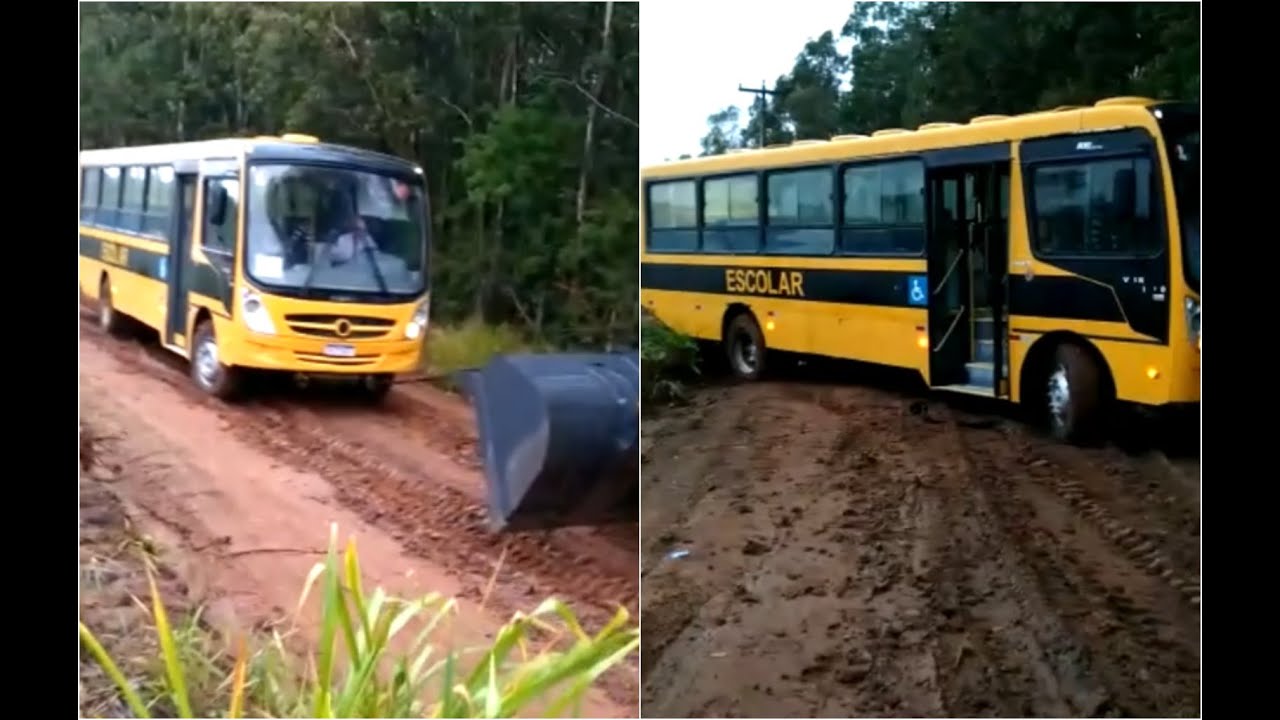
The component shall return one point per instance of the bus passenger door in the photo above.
(967, 263)
(950, 309)
(180, 261)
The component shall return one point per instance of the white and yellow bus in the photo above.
(270, 254)
(1051, 258)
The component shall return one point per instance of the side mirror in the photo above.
(216, 207)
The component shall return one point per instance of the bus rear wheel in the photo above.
(109, 319)
(745, 347)
(207, 369)
(1073, 399)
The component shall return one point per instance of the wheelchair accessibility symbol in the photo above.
(918, 290)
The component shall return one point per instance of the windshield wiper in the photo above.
(377, 271)
(311, 268)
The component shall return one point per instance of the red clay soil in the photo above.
(855, 552)
(245, 495)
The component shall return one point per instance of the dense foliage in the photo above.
(521, 113)
(913, 63)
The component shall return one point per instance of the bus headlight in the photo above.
(1192, 308)
(417, 324)
(256, 317)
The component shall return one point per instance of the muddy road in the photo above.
(859, 552)
(242, 498)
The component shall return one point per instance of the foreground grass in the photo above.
(668, 360)
(468, 345)
(378, 656)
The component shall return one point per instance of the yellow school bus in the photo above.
(265, 254)
(1050, 258)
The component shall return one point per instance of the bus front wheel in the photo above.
(207, 369)
(1073, 397)
(377, 387)
(745, 347)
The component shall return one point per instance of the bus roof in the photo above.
(287, 148)
(1113, 112)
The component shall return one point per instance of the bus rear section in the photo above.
(270, 255)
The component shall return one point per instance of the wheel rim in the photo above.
(1059, 398)
(207, 361)
(745, 353)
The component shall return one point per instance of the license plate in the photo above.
(342, 351)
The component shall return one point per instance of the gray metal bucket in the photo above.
(559, 435)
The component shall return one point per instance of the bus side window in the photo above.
(109, 208)
(91, 187)
(157, 215)
(221, 196)
(135, 189)
(1096, 208)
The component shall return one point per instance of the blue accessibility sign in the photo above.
(918, 290)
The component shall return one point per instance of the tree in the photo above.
(913, 63)
(522, 116)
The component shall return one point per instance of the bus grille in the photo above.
(319, 359)
(340, 326)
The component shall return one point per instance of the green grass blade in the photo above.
(351, 565)
(168, 648)
(322, 706)
(492, 700)
(238, 679)
(108, 666)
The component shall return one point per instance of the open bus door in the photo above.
(559, 436)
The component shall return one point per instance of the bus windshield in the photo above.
(1182, 141)
(314, 229)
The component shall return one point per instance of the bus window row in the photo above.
(136, 199)
(1095, 207)
(880, 212)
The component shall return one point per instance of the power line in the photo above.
(760, 94)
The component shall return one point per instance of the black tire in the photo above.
(1072, 395)
(745, 348)
(376, 387)
(109, 319)
(207, 369)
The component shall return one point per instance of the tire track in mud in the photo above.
(1170, 555)
(426, 514)
(914, 566)
(1120, 636)
(432, 520)
(675, 602)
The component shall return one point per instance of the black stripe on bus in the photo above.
(856, 287)
(1063, 297)
(1091, 336)
(146, 263)
(205, 280)
(1060, 297)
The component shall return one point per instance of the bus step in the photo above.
(980, 373)
(980, 391)
(985, 351)
(983, 328)
(558, 437)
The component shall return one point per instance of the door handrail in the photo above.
(955, 321)
(947, 275)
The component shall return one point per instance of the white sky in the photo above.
(694, 54)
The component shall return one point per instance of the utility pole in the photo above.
(760, 94)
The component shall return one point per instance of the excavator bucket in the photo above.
(559, 435)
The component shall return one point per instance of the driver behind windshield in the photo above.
(354, 237)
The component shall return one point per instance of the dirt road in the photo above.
(857, 552)
(241, 498)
